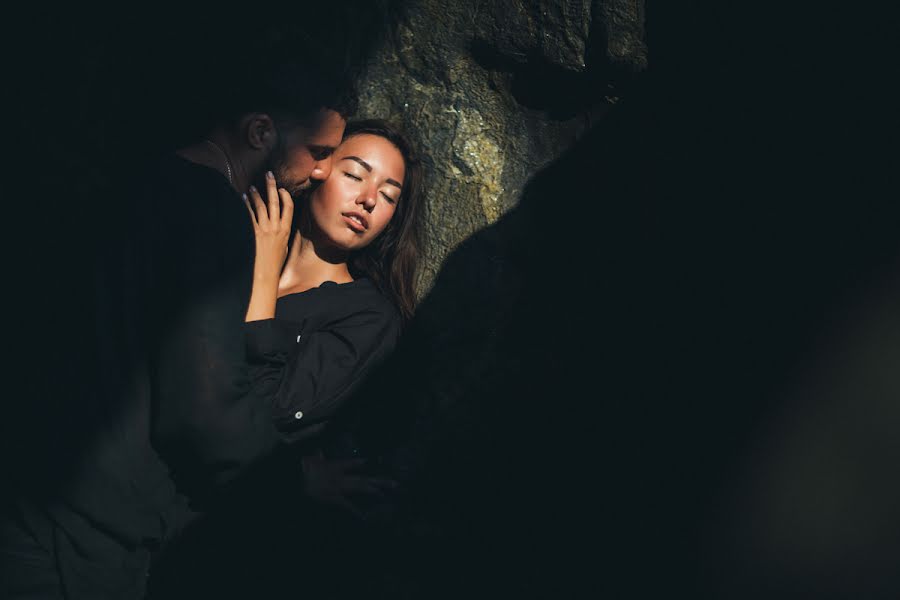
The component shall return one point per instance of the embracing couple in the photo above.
(269, 267)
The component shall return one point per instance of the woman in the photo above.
(324, 313)
(325, 309)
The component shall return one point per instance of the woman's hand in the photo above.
(272, 229)
(271, 226)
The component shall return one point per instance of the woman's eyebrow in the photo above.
(365, 165)
(368, 168)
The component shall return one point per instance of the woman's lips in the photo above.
(354, 224)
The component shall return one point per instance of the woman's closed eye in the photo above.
(386, 196)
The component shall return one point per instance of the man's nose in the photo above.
(321, 170)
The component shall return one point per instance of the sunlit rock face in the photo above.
(492, 92)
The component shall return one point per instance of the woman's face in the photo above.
(354, 205)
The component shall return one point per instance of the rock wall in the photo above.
(492, 92)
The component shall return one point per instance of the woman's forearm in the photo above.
(263, 297)
(272, 229)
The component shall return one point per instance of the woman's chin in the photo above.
(348, 241)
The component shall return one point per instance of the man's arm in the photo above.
(208, 423)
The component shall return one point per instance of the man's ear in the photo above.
(259, 129)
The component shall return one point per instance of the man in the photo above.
(173, 421)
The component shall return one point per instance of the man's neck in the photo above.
(219, 151)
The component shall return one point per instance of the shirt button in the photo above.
(298, 415)
(298, 339)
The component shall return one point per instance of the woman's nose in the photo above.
(367, 199)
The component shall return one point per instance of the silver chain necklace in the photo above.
(227, 160)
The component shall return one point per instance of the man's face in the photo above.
(304, 153)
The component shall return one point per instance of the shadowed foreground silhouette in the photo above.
(669, 369)
(618, 387)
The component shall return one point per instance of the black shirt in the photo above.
(318, 349)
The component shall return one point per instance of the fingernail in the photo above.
(269, 175)
(252, 188)
(244, 196)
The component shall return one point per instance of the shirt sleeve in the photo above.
(209, 423)
(270, 341)
(308, 383)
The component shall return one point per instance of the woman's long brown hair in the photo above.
(391, 261)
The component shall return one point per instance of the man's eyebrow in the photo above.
(365, 165)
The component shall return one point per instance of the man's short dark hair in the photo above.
(292, 80)
(299, 90)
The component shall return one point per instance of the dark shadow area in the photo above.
(538, 84)
(593, 379)
(559, 93)
(103, 95)
(590, 380)
(99, 97)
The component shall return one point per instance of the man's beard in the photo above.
(294, 189)
(299, 191)
(276, 164)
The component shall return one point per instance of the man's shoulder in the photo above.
(189, 217)
(174, 190)
(176, 175)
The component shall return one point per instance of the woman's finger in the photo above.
(272, 198)
(262, 213)
(250, 210)
(287, 207)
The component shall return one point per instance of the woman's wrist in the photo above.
(262, 305)
(265, 280)
(266, 275)
(264, 293)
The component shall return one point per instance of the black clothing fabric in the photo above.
(179, 416)
(318, 349)
(173, 412)
(209, 422)
(322, 345)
